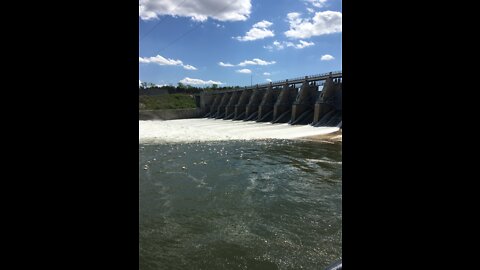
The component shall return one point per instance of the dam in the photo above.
(294, 108)
(238, 185)
(311, 100)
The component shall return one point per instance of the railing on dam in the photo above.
(322, 76)
(310, 78)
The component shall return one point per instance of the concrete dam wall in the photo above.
(312, 100)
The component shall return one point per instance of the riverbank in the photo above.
(333, 137)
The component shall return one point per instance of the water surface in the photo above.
(240, 205)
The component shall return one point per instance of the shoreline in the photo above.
(334, 137)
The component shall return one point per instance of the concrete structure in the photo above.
(328, 107)
(241, 106)
(230, 108)
(304, 104)
(282, 109)
(265, 110)
(222, 106)
(251, 110)
(212, 106)
(293, 101)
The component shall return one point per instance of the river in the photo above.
(239, 204)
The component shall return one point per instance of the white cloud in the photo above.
(310, 10)
(263, 24)
(191, 81)
(225, 64)
(256, 61)
(317, 3)
(245, 70)
(259, 31)
(189, 67)
(139, 83)
(267, 73)
(304, 44)
(278, 44)
(275, 45)
(327, 57)
(294, 16)
(322, 23)
(253, 62)
(199, 10)
(162, 61)
(281, 45)
(268, 80)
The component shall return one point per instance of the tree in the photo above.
(181, 86)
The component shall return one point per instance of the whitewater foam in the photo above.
(204, 129)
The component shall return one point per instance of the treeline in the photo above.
(181, 88)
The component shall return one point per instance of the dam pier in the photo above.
(311, 100)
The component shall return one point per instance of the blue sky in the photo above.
(185, 40)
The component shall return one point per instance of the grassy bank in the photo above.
(172, 101)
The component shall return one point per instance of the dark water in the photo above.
(240, 205)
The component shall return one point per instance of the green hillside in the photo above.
(172, 101)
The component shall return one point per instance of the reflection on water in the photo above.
(240, 205)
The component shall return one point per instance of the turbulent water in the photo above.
(258, 204)
(218, 130)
